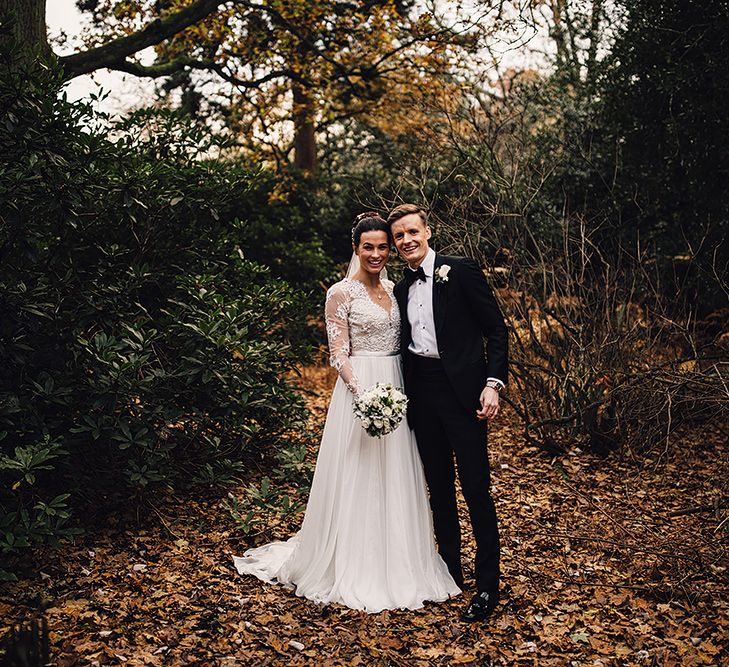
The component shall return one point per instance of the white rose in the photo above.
(442, 272)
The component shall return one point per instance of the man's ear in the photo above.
(428, 232)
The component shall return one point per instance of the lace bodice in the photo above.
(355, 323)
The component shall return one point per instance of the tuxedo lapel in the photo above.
(401, 296)
(439, 296)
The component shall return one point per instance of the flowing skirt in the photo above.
(367, 536)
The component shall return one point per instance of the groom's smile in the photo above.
(411, 236)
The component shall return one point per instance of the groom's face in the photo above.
(411, 236)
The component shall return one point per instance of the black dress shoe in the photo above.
(481, 607)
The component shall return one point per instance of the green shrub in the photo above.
(139, 341)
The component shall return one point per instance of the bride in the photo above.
(367, 536)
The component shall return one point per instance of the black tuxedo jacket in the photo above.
(465, 311)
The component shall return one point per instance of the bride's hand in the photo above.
(489, 404)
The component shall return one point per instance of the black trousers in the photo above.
(443, 428)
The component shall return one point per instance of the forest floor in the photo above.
(596, 571)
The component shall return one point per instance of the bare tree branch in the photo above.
(159, 69)
(183, 62)
(114, 53)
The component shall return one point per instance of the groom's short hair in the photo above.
(406, 209)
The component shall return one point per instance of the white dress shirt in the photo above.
(420, 313)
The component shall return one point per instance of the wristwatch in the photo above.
(495, 385)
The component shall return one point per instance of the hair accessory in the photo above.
(361, 217)
(364, 216)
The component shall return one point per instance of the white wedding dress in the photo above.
(367, 536)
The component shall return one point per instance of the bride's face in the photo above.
(373, 251)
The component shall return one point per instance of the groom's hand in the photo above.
(489, 404)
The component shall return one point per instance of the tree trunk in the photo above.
(28, 21)
(305, 157)
(28, 27)
(594, 36)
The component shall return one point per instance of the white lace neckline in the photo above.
(388, 289)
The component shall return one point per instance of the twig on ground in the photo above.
(719, 504)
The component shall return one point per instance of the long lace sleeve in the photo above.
(336, 311)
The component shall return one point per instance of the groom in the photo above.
(447, 308)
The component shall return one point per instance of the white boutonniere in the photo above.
(441, 275)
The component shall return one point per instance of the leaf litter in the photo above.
(595, 572)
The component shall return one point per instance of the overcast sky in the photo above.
(125, 91)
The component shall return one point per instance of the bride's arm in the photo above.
(336, 312)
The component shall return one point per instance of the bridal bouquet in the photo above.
(380, 409)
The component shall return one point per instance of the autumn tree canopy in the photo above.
(279, 73)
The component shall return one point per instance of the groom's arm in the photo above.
(486, 311)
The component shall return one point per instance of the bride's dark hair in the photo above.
(369, 222)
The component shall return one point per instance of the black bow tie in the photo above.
(411, 276)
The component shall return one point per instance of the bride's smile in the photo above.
(373, 251)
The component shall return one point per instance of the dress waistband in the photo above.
(366, 353)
